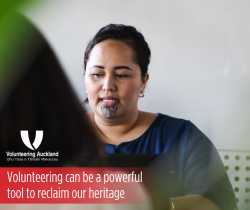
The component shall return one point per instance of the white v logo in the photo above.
(26, 140)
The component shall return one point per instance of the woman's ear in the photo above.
(144, 81)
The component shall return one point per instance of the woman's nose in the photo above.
(109, 83)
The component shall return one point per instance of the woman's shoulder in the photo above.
(187, 132)
(176, 128)
(165, 124)
(178, 125)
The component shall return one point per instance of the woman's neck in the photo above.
(117, 131)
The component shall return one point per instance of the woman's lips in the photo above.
(109, 101)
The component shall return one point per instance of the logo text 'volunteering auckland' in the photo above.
(33, 155)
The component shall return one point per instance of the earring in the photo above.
(141, 94)
(86, 92)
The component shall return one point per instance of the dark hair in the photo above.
(44, 100)
(127, 34)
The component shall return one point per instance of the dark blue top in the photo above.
(195, 164)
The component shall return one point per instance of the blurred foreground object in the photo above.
(36, 95)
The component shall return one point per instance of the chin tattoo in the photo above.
(109, 112)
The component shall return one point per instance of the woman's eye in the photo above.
(97, 75)
(121, 75)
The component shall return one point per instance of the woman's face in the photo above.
(113, 81)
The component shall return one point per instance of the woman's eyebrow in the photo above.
(117, 67)
(123, 67)
(101, 67)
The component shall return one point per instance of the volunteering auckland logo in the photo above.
(33, 155)
(37, 141)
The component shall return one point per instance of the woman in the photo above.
(116, 73)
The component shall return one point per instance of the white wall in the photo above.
(200, 67)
